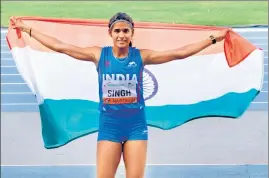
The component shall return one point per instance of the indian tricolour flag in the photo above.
(220, 81)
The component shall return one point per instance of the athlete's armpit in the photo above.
(86, 54)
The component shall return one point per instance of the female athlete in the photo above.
(123, 128)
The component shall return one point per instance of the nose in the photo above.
(121, 34)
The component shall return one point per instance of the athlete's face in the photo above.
(121, 34)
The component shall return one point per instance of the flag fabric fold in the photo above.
(221, 80)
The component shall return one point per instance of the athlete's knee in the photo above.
(106, 171)
(134, 174)
(105, 174)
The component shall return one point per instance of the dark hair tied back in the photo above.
(120, 16)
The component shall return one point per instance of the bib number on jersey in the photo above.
(119, 92)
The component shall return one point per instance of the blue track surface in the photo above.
(17, 97)
(160, 171)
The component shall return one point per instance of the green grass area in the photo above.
(194, 12)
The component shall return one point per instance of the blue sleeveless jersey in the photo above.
(120, 80)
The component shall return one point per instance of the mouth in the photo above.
(121, 41)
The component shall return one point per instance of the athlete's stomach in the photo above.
(137, 106)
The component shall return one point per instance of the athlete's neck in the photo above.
(120, 52)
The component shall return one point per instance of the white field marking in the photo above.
(77, 165)
(18, 104)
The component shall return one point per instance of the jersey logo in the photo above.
(132, 64)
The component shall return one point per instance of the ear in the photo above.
(109, 32)
(133, 31)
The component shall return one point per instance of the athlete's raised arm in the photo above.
(159, 57)
(86, 54)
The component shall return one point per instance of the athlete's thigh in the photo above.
(134, 155)
(108, 158)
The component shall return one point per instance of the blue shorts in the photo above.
(123, 125)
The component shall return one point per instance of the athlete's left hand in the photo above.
(221, 35)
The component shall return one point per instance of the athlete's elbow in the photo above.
(182, 54)
(58, 47)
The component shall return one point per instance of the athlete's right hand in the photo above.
(17, 23)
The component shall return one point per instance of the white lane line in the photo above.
(5, 52)
(16, 93)
(18, 104)
(261, 44)
(259, 102)
(7, 59)
(121, 164)
(255, 38)
(9, 66)
(250, 29)
(9, 74)
(13, 83)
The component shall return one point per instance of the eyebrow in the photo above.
(122, 28)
